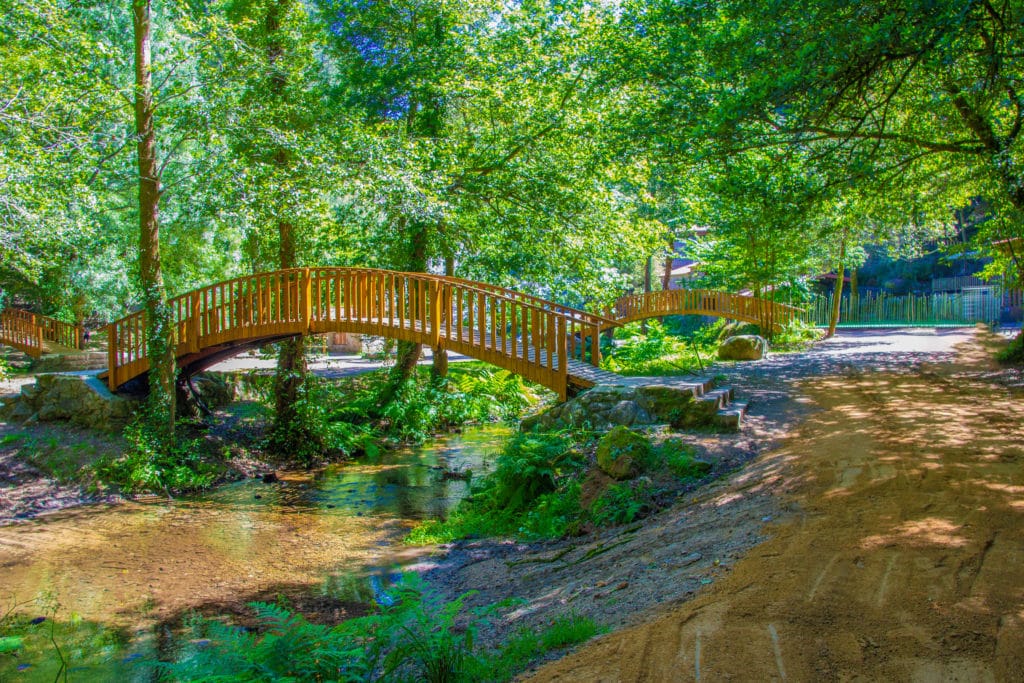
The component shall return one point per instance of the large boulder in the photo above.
(78, 398)
(743, 347)
(621, 453)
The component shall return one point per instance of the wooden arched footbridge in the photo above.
(36, 334)
(545, 342)
(634, 307)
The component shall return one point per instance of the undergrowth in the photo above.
(415, 638)
(659, 352)
(343, 418)
(535, 491)
(532, 493)
(1014, 353)
(797, 335)
(148, 463)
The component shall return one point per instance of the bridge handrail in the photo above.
(523, 333)
(26, 331)
(584, 316)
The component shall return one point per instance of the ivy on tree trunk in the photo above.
(159, 329)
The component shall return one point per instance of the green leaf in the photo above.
(10, 643)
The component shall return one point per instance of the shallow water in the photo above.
(106, 576)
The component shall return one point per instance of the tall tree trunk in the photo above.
(837, 293)
(159, 329)
(409, 352)
(666, 272)
(439, 367)
(291, 360)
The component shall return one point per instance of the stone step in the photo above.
(721, 396)
(730, 418)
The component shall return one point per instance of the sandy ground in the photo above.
(899, 553)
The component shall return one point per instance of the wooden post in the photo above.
(112, 356)
(306, 291)
(561, 345)
(195, 326)
(435, 313)
(595, 346)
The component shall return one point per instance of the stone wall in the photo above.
(69, 397)
(607, 406)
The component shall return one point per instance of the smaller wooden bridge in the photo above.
(633, 307)
(36, 334)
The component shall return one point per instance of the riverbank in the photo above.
(620, 576)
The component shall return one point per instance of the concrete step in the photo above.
(730, 418)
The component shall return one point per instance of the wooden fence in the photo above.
(960, 308)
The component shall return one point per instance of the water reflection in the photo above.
(128, 567)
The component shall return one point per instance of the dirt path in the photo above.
(905, 560)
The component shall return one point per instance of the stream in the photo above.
(110, 580)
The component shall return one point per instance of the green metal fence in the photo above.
(961, 308)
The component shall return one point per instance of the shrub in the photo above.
(344, 418)
(1014, 353)
(150, 464)
(679, 458)
(622, 503)
(796, 335)
(533, 492)
(622, 453)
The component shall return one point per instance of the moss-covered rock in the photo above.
(621, 453)
(743, 347)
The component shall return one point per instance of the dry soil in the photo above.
(902, 558)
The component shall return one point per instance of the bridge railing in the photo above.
(702, 302)
(27, 331)
(522, 333)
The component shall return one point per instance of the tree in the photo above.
(909, 93)
(159, 327)
(272, 116)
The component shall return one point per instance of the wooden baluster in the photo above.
(595, 346)
(481, 319)
(421, 304)
(562, 341)
(504, 329)
(381, 304)
(458, 314)
(435, 313)
(346, 295)
(112, 355)
(306, 293)
(514, 332)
